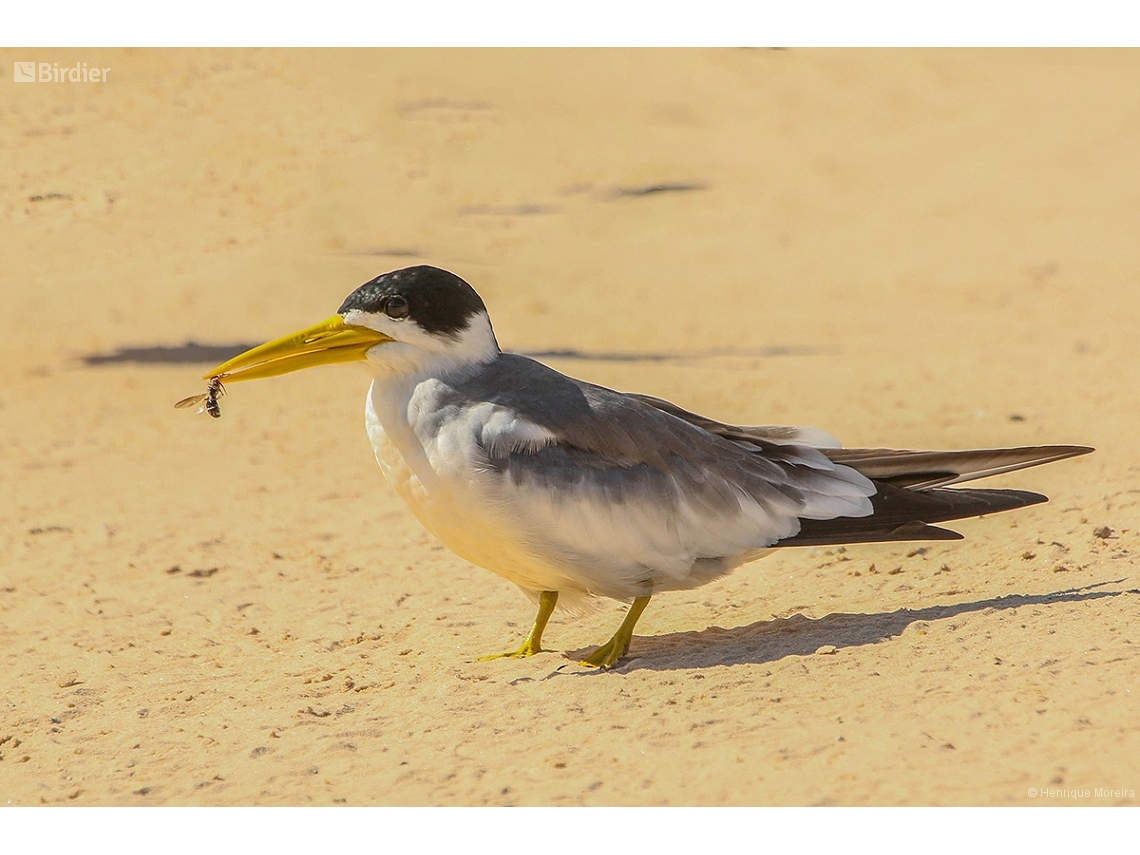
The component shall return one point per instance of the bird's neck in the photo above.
(404, 412)
(407, 406)
(403, 418)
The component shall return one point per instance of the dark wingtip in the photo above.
(813, 535)
(1078, 450)
(923, 531)
(1008, 500)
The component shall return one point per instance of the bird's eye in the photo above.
(396, 307)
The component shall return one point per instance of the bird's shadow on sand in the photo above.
(771, 640)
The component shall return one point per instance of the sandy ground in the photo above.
(910, 249)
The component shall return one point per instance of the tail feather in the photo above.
(904, 514)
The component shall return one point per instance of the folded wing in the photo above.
(628, 494)
(632, 484)
(910, 492)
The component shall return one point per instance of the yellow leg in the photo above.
(614, 649)
(533, 643)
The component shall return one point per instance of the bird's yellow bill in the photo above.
(325, 343)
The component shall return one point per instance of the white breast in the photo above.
(433, 459)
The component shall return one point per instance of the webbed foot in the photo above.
(614, 649)
(528, 648)
(533, 644)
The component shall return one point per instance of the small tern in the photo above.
(573, 491)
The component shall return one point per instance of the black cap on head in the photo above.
(439, 301)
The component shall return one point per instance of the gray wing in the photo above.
(755, 434)
(597, 430)
(629, 484)
(622, 490)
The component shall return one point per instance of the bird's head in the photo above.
(415, 321)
